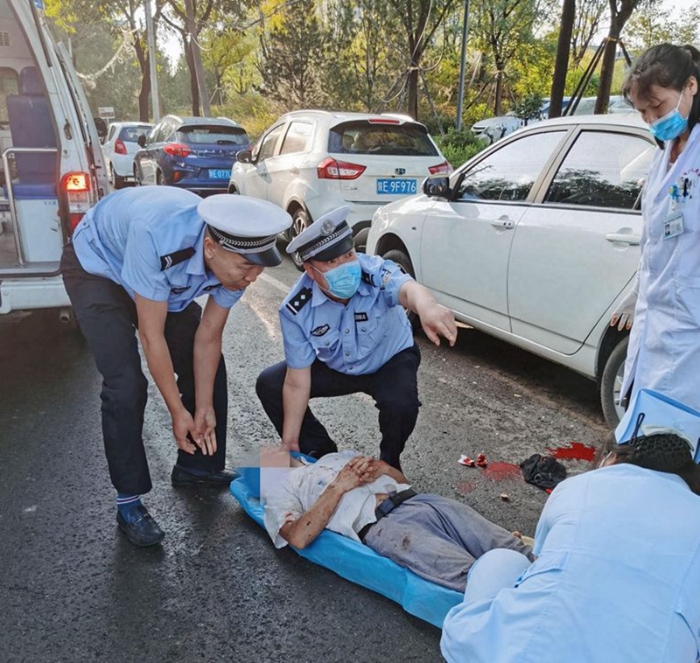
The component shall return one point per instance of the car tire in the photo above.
(403, 261)
(610, 383)
(159, 178)
(137, 179)
(361, 240)
(117, 181)
(300, 222)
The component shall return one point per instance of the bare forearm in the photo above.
(295, 400)
(309, 525)
(161, 367)
(392, 472)
(207, 355)
(416, 297)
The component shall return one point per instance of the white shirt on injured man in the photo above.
(288, 492)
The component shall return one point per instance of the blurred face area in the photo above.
(315, 269)
(658, 101)
(232, 270)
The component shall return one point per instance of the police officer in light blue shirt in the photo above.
(345, 331)
(138, 260)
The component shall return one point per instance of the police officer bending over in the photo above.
(345, 331)
(138, 259)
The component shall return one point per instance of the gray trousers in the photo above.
(439, 539)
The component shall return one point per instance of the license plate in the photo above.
(219, 174)
(396, 185)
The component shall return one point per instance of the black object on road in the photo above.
(543, 471)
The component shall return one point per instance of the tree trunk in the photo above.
(499, 92)
(194, 89)
(607, 69)
(413, 91)
(191, 26)
(145, 91)
(618, 18)
(568, 15)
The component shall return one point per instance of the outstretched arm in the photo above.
(436, 319)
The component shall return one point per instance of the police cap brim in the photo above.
(269, 258)
(336, 250)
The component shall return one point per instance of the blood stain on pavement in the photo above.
(501, 471)
(575, 451)
(464, 488)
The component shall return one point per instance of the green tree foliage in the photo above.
(292, 51)
(653, 24)
(502, 29)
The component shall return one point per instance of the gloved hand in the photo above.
(623, 316)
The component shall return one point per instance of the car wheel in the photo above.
(233, 190)
(300, 222)
(403, 261)
(159, 179)
(137, 179)
(361, 240)
(611, 384)
(115, 180)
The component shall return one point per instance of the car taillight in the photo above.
(119, 147)
(76, 189)
(177, 149)
(444, 167)
(330, 169)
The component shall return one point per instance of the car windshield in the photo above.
(213, 134)
(131, 134)
(365, 137)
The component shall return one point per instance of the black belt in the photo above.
(386, 507)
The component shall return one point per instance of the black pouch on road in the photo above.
(543, 471)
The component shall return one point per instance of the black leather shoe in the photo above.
(143, 529)
(221, 479)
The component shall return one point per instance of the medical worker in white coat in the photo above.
(664, 346)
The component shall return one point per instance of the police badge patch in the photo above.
(320, 331)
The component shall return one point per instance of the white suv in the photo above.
(310, 162)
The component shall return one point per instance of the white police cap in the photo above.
(244, 225)
(327, 238)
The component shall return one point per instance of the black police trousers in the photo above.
(393, 387)
(107, 318)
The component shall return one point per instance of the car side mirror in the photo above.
(244, 156)
(437, 186)
(141, 140)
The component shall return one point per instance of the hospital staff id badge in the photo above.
(673, 225)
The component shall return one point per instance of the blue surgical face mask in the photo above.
(669, 126)
(343, 280)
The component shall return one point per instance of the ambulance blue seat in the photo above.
(31, 126)
(358, 563)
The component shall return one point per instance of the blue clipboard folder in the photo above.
(660, 411)
(358, 563)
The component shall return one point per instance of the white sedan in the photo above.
(119, 147)
(535, 240)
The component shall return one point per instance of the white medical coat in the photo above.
(616, 580)
(664, 346)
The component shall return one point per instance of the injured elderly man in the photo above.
(369, 501)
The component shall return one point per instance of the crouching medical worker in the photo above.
(617, 574)
(138, 260)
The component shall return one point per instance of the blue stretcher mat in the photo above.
(358, 563)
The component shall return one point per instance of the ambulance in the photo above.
(52, 169)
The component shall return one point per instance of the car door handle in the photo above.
(503, 223)
(624, 238)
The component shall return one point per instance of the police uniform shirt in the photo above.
(357, 338)
(133, 237)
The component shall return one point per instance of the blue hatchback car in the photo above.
(194, 153)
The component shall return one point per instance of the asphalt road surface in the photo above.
(73, 589)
